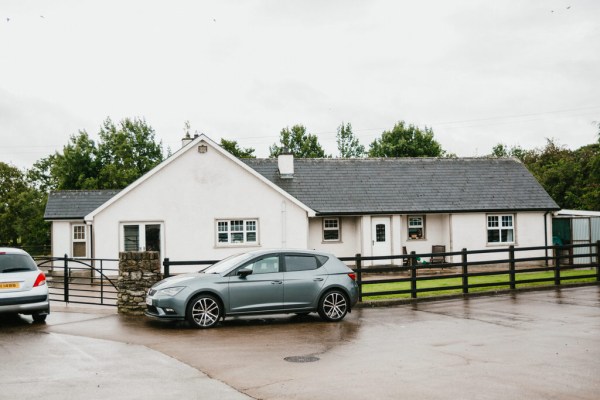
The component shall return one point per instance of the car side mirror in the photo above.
(242, 273)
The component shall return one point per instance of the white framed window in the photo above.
(416, 227)
(331, 230)
(141, 236)
(237, 231)
(79, 241)
(500, 228)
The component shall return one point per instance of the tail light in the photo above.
(352, 276)
(40, 280)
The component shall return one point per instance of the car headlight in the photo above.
(172, 291)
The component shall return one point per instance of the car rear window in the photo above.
(301, 263)
(16, 263)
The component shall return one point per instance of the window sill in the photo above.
(506, 244)
(236, 245)
(331, 242)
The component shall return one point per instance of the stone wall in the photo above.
(138, 271)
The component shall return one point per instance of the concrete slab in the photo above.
(533, 345)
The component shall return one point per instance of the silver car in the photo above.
(23, 287)
(258, 282)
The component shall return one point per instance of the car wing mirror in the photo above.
(242, 273)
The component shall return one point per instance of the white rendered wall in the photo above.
(189, 195)
(61, 238)
(470, 231)
(349, 244)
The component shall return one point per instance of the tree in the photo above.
(77, 167)
(571, 178)
(501, 150)
(125, 152)
(298, 142)
(406, 141)
(21, 211)
(347, 144)
(233, 147)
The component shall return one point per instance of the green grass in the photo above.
(442, 282)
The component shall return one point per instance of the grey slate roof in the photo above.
(410, 185)
(376, 186)
(75, 204)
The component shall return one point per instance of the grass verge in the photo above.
(501, 280)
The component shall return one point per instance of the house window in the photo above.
(239, 231)
(142, 236)
(500, 229)
(331, 229)
(79, 241)
(416, 227)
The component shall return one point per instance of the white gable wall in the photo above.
(188, 196)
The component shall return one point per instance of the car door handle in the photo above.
(276, 282)
(318, 279)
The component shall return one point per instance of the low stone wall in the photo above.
(138, 271)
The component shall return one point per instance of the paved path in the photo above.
(530, 345)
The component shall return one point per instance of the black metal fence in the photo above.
(81, 280)
(510, 268)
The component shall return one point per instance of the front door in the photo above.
(381, 239)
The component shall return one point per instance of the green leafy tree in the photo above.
(501, 150)
(126, 151)
(298, 142)
(77, 166)
(233, 147)
(406, 141)
(347, 144)
(21, 211)
(572, 178)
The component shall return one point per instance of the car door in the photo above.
(261, 290)
(303, 279)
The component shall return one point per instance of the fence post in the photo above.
(101, 283)
(557, 265)
(511, 266)
(413, 275)
(465, 272)
(166, 264)
(66, 279)
(359, 276)
(598, 260)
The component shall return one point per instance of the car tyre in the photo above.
(39, 317)
(204, 311)
(333, 306)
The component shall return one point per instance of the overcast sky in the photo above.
(477, 72)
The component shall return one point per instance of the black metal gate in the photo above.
(81, 280)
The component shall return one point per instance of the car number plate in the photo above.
(9, 285)
(148, 301)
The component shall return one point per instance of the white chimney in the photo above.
(285, 162)
(186, 140)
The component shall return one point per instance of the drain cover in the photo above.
(301, 359)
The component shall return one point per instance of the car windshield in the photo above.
(226, 264)
(16, 263)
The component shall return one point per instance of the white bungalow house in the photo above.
(203, 203)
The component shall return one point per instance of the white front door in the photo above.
(381, 239)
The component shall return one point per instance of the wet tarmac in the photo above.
(530, 345)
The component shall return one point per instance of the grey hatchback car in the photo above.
(258, 282)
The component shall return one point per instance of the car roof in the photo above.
(285, 250)
(12, 250)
